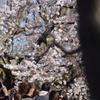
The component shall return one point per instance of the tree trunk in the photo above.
(89, 34)
(6, 77)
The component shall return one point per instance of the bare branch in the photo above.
(45, 34)
(9, 3)
(20, 13)
(2, 59)
(39, 57)
(5, 37)
(60, 46)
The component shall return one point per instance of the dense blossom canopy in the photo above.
(40, 39)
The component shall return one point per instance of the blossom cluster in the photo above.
(22, 26)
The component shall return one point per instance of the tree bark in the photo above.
(89, 34)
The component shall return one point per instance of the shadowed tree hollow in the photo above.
(89, 32)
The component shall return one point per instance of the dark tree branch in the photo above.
(2, 59)
(60, 46)
(7, 58)
(9, 4)
(20, 13)
(45, 34)
(40, 56)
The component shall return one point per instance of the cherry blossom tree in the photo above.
(39, 42)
